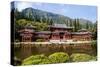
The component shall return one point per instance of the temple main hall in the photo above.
(55, 33)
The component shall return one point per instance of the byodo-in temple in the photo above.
(56, 32)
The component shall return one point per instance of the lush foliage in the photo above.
(37, 25)
(59, 57)
(36, 59)
(40, 26)
(78, 57)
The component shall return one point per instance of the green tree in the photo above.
(40, 26)
(87, 25)
(78, 25)
(71, 23)
(17, 14)
(95, 31)
(79, 57)
(59, 57)
(75, 25)
(22, 22)
(36, 59)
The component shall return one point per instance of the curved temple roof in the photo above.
(60, 26)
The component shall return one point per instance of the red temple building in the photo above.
(56, 32)
(82, 34)
(26, 33)
(60, 32)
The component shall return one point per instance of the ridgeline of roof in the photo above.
(82, 30)
(43, 32)
(48, 32)
(81, 33)
(61, 32)
(42, 36)
(57, 32)
(26, 30)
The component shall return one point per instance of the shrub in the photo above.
(80, 57)
(59, 57)
(36, 59)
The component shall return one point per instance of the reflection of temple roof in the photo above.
(60, 26)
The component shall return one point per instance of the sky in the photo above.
(72, 11)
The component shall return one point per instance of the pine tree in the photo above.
(71, 23)
(75, 26)
(87, 25)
